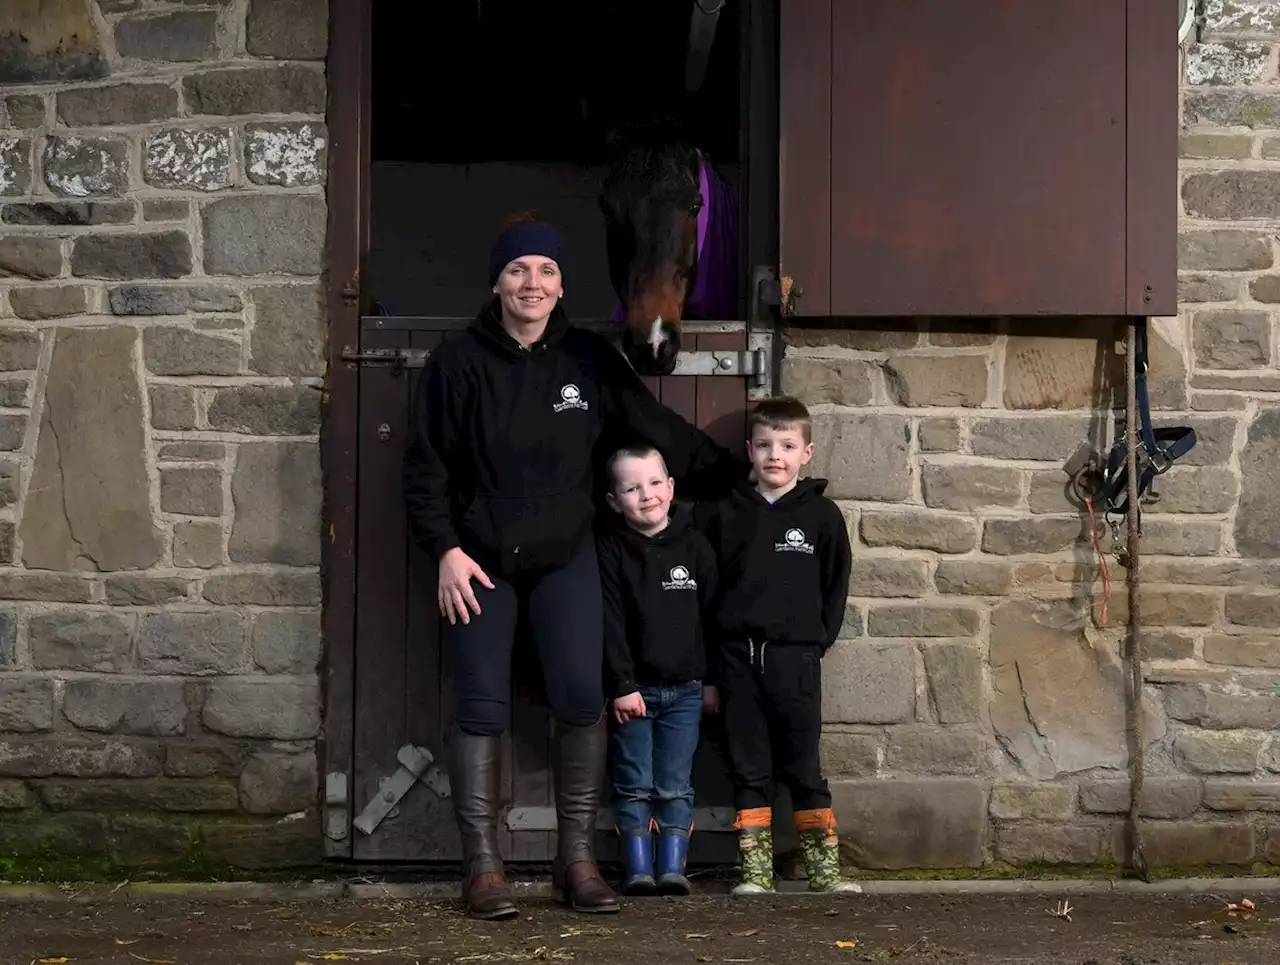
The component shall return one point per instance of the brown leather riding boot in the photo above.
(474, 783)
(579, 754)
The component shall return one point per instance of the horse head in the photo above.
(651, 200)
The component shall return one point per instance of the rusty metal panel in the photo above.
(978, 157)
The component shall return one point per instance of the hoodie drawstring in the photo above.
(751, 659)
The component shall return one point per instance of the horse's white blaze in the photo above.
(656, 335)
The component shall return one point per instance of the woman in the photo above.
(510, 422)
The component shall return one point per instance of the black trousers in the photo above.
(772, 705)
(563, 613)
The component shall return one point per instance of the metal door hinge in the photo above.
(754, 364)
(397, 359)
(415, 765)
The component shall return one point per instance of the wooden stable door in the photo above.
(400, 805)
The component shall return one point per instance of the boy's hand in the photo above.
(628, 707)
(710, 700)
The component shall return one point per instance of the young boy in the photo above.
(657, 574)
(784, 559)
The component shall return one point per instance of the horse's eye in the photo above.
(696, 208)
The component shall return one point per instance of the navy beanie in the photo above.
(526, 238)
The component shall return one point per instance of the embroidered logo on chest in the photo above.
(793, 541)
(570, 398)
(680, 580)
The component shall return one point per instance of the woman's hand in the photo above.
(710, 700)
(625, 708)
(454, 593)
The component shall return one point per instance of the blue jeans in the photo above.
(652, 760)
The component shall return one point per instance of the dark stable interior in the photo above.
(465, 81)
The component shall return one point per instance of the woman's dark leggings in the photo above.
(565, 618)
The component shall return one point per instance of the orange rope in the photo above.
(1102, 560)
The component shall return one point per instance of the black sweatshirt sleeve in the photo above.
(432, 435)
(837, 565)
(619, 667)
(708, 584)
(705, 469)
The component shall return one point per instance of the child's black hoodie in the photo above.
(784, 567)
(656, 589)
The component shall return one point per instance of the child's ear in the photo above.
(612, 500)
(808, 454)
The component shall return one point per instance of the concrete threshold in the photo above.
(541, 888)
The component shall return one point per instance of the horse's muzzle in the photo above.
(653, 351)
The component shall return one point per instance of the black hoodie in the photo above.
(656, 589)
(505, 439)
(784, 567)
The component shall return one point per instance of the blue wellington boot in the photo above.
(673, 852)
(638, 855)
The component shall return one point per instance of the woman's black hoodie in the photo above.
(784, 566)
(656, 589)
(505, 441)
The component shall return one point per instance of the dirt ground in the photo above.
(1103, 930)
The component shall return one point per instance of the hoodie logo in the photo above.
(793, 542)
(570, 398)
(680, 580)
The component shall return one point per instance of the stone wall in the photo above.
(162, 223)
(977, 711)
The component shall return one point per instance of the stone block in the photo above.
(926, 749)
(44, 587)
(1162, 798)
(288, 29)
(163, 209)
(1227, 63)
(911, 529)
(76, 166)
(266, 410)
(148, 841)
(1212, 709)
(865, 683)
(54, 40)
(967, 486)
(180, 351)
(89, 505)
(863, 456)
(1191, 844)
(849, 755)
(1272, 852)
(843, 335)
(15, 165)
(191, 492)
(191, 642)
(259, 847)
(145, 590)
(198, 544)
(1235, 795)
(204, 759)
(1234, 147)
(37, 303)
(163, 254)
(955, 681)
(172, 407)
(1034, 842)
(26, 703)
(1236, 651)
(276, 492)
(1168, 645)
(290, 331)
(936, 380)
(882, 576)
(78, 757)
(265, 589)
(172, 299)
(13, 395)
(30, 256)
(1058, 700)
(287, 89)
(828, 380)
(19, 350)
(912, 823)
(83, 836)
(286, 642)
(939, 434)
(14, 796)
(1023, 800)
(1051, 493)
(197, 159)
(1236, 195)
(290, 155)
(10, 481)
(1247, 17)
(268, 708)
(191, 452)
(1224, 249)
(1193, 489)
(183, 36)
(1231, 108)
(1257, 523)
(1253, 609)
(910, 620)
(1265, 288)
(12, 430)
(1178, 608)
(851, 625)
(264, 235)
(79, 639)
(1232, 339)
(1045, 534)
(973, 578)
(280, 782)
(69, 213)
(142, 708)
(1046, 438)
(141, 103)
(26, 111)
(1057, 373)
(144, 795)
(1208, 288)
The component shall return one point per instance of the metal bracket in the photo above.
(415, 765)
(544, 819)
(336, 813)
(755, 363)
(397, 358)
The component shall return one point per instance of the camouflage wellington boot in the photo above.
(755, 852)
(821, 849)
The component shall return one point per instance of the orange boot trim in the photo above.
(753, 818)
(819, 819)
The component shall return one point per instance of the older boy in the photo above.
(784, 559)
